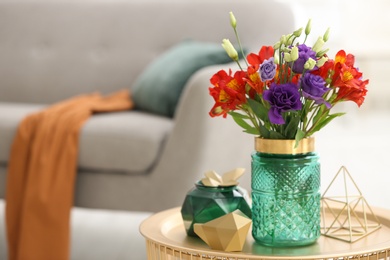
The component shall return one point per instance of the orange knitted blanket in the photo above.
(41, 176)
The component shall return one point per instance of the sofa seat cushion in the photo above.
(97, 234)
(128, 141)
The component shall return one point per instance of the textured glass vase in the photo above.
(285, 194)
(203, 204)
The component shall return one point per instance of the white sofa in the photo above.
(132, 161)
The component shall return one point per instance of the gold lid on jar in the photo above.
(284, 146)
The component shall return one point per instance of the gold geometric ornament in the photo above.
(227, 233)
(351, 218)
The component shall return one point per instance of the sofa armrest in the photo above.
(199, 143)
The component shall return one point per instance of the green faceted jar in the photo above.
(203, 204)
(285, 193)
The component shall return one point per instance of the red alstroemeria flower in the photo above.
(342, 74)
(265, 53)
(253, 80)
(228, 92)
(345, 72)
(356, 95)
(348, 79)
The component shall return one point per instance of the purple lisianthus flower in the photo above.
(282, 98)
(313, 87)
(304, 53)
(267, 70)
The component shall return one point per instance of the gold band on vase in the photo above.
(284, 146)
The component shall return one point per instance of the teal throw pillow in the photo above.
(159, 87)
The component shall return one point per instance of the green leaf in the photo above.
(264, 132)
(276, 135)
(299, 136)
(321, 112)
(259, 109)
(239, 115)
(241, 122)
(252, 131)
(338, 114)
(324, 122)
(292, 126)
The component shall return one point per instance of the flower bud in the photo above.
(287, 57)
(321, 53)
(289, 39)
(276, 45)
(308, 27)
(294, 53)
(283, 39)
(276, 58)
(326, 35)
(318, 45)
(247, 88)
(227, 45)
(217, 110)
(309, 64)
(233, 21)
(322, 61)
(328, 81)
(298, 32)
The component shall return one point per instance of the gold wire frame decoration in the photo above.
(351, 216)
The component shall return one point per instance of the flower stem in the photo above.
(239, 65)
(311, 116)
(240, 46)
(305, 38)
(319, 120)
(253, 119)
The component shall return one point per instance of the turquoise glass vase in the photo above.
(203, 204)
(285, 193)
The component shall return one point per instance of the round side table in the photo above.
(166, 239)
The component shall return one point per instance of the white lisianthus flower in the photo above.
(230, 50)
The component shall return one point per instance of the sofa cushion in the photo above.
(127, 141)
(123, 141)
(158, 88)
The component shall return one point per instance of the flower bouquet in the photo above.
(286, 91)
